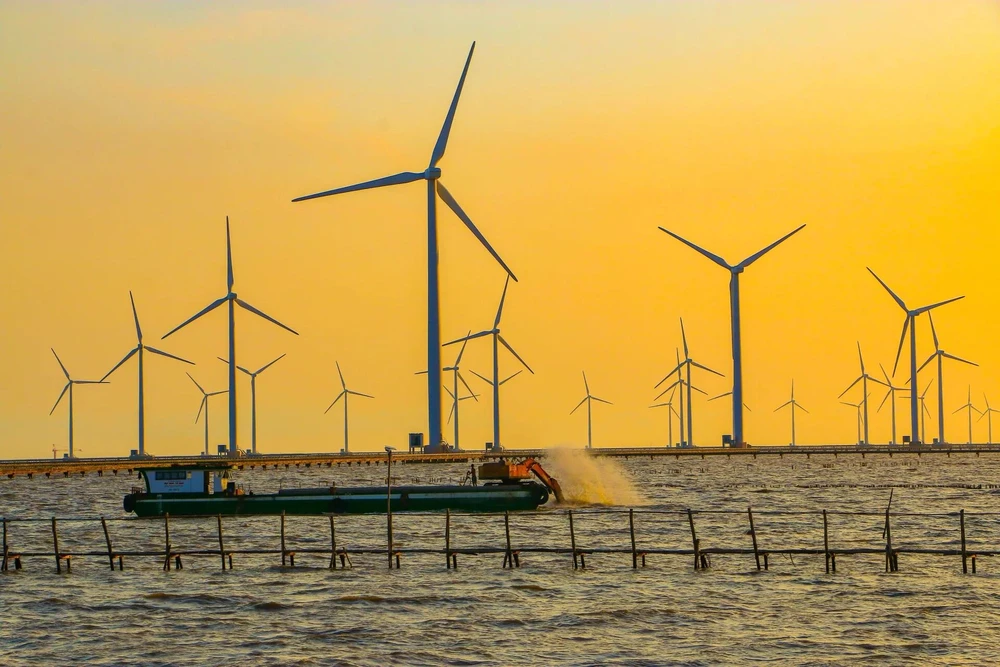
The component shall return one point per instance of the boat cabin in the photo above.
(208, 478)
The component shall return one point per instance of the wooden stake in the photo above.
(965, 561)
(826, 542)
(222, 547)
(283, 552)
(753, 535)
(6, 549)
(447, 538)
(572, 538)
(166, 533)
(55, 545)
(107, 540)
(333, 544)
(694, 541)
(631, 532)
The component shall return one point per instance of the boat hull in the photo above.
(364, 500)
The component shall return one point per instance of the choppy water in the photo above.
(544, 612)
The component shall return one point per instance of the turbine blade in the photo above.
(902, 339)
(65, 388)
(266, 366)
(166, 354)
(578, 405)
(705, 368)
(204, 402)
(927, 387)
(451, 412)
(754, 257)
(126, 358)
(226, 361)
(358, 393)
(667, 376)
(964, 361)
(196, 383)
(933, 332)
(442, 141)
(728, 393)
(676, 382)
(861, 358)
(715, 258)
(135, 316)
(229, 257)
(699, 390)
(487, 381)
(585, 385)
(395, 179)
(783, 405)
(467, 385)
(339, 396)
(342, 383)
(496, 322)
(469, 337)
(216, 393)
(888, 380)
(898, 301)
(601, 400)
(449, 392)
(510, 377)
(65, 372)
(801, 408)
(461, 351)
(876, 380)
(207, 309)
(453, 205)
(511, 350)
(884, 399)
(929, 360)
(246, 306)
(850, 387)
(918, 311)
(684, 340)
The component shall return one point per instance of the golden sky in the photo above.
(132, 129)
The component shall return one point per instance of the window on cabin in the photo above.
(162, 475)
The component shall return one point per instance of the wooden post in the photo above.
(107, 540)
(891, 564)
(333, 544)
(508, 559)
(631, 532)
(965, 557)
(572, 538)
(6, 549)
(826, 542)
(166, 538)
(753, 535)
(283, 538)
(55, 546)
(222, 547)
(694, 541)
(447, 538)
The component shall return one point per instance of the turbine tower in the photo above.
(232, 300)
(497, 339)
(138, 350)
(671, 411)
(204, 404)
(794, 405)
(988, 413)
(734, 308)
(344, 394)
(891, 393)
(864, 379)
(589, 399)
(970, 407)
(940, 355)
(253, 398)
(435, 189)
(686, 364)
(69, 387)
(911, 322)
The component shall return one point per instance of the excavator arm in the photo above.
(545, 478)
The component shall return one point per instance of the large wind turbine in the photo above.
(734, 308)
(204, 405)
(671, 411)
(253, 398)
(435, 189)
(497, 339)
(344, 394)
(139, 349)
(970, 407)
(891, 393)
(794, 405)
(233, 301)
(940, 355)
(687, 363)
(864, 378)
(69, 387)
(911, 322)
(589, 399)
(988, 413)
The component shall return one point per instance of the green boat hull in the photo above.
(363, 500)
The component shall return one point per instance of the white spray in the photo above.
(587, 480)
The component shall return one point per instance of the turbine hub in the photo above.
(432, 173)
(231, 295)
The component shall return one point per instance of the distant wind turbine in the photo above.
(671, 411)
(589, 399)
(233, 301)
(856, 406)
(69, 387)
(253, 398)
(687, 363)
(435, 189)
(496, 394)
(455, 400)
(971, 408)
(456, 377)
(682, 384)
(891, 393)
(204, 405)
(924, 412)
(497, 339)
(988, 413)
(344, 394)
(794, 405)
(940, 355)
(911, 323)
(734, 308)
(139, 349)
(864, 378)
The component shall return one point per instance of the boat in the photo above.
(210, 489)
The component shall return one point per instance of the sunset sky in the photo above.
(130, 130)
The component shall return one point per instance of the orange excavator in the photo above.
(512, 472)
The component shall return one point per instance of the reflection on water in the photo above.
(544, 612)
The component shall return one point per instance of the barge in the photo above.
(209, 489)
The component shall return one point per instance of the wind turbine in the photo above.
(988, 413)
(139, 349)
(589, 399)
(970, 407)
(69, 387)
(496, 394)
(456, 376)
(435, 189)
(204, 404)
(911, 322)
(924, 412)
(253, 398)
(864, 378)
(497, 338)
(940, 354)
(671, 411)
(890, 393)
(856, 406)
(734, 308)
(687, 363)
(681, 383)
(794, 405)
(232, 300)
(455, 399)
(344, 394)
